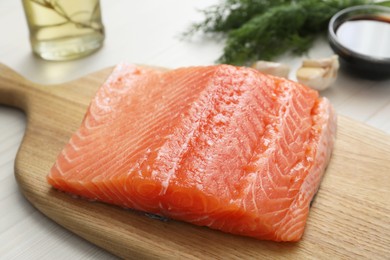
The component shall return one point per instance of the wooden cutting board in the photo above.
(350, 217)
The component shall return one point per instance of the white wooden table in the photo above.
(143, 32)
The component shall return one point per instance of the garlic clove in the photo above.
(314, 78)
(324, 62)
(318, 74)
(311, 73)
(273, 68)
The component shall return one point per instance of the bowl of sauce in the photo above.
(360, 35)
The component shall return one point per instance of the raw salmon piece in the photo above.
(219, 146)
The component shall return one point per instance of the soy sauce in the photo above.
(366, 35)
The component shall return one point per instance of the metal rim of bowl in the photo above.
(337, 20)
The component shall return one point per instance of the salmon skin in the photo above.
(219, 146)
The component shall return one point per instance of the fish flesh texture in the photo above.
(220, 146)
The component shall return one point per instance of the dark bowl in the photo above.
(363, 65)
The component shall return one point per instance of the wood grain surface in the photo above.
(349, 218)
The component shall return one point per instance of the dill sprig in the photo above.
(57, 8)
(231, 14)
(263, 30)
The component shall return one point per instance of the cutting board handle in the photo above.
(14, 89)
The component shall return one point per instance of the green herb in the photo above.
(231, 14)
(58, 9)
(384, 3)
(263, 30)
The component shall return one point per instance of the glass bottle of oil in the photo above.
(64, 29)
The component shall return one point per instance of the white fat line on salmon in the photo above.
(58, 166)
(196, 120)
(95, 118)
(65, 154)
(105, 103)
(253, 192)
(202, 218)
(72, 144)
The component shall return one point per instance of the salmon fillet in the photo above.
(219, 146)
